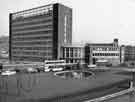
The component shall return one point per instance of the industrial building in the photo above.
(37, 34)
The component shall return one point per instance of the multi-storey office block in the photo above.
(37, 34)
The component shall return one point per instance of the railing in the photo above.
(112, 96)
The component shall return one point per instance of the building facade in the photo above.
(37, 34)
(96, 53)
(73, 53)
(129, 53)
(122, 54)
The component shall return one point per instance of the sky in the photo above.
(93, 20)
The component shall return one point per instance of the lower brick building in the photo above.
(92, 53)
(99, 53)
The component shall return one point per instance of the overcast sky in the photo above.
(93, 20)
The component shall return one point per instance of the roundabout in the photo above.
(76, 74)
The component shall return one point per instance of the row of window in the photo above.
(33, 43)
(129, 53)
(129, 56)
(30, 58)
(105, 49)
(21, 18)
(68, 55)
(47, 53)
(72, 60)
(32, 48)
(28, 23)
(32, 38)
(105, 54)
(31, 30)
(35, 27)
(72, 49)
(29, 34)
(72, 52)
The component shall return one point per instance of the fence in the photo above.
(128, 91)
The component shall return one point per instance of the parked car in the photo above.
(47, 70)
(30, 70)
(91, 66)
(54, 69)
(57, 69)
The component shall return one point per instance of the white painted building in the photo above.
(73, 53)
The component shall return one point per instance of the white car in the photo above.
(57, 69)
(47, 70)
(8, 72)
(53, 69)
(92, 66)
(31, 70)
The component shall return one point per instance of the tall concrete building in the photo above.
(37, 34)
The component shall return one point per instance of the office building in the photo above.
(122, 54)
(37, 34)
(102, 53)
(73, 53)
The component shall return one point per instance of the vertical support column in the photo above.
(65, 53)
(78, 54)
(55, 31)
(91, 56)
(69, 52)
(73, 55)
(133, 78)
(10, 38)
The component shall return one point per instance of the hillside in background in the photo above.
(4, 43)
(4, 46)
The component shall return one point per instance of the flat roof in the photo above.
(39, 7)
(44, 86)
(100, 44)
(74, 45)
